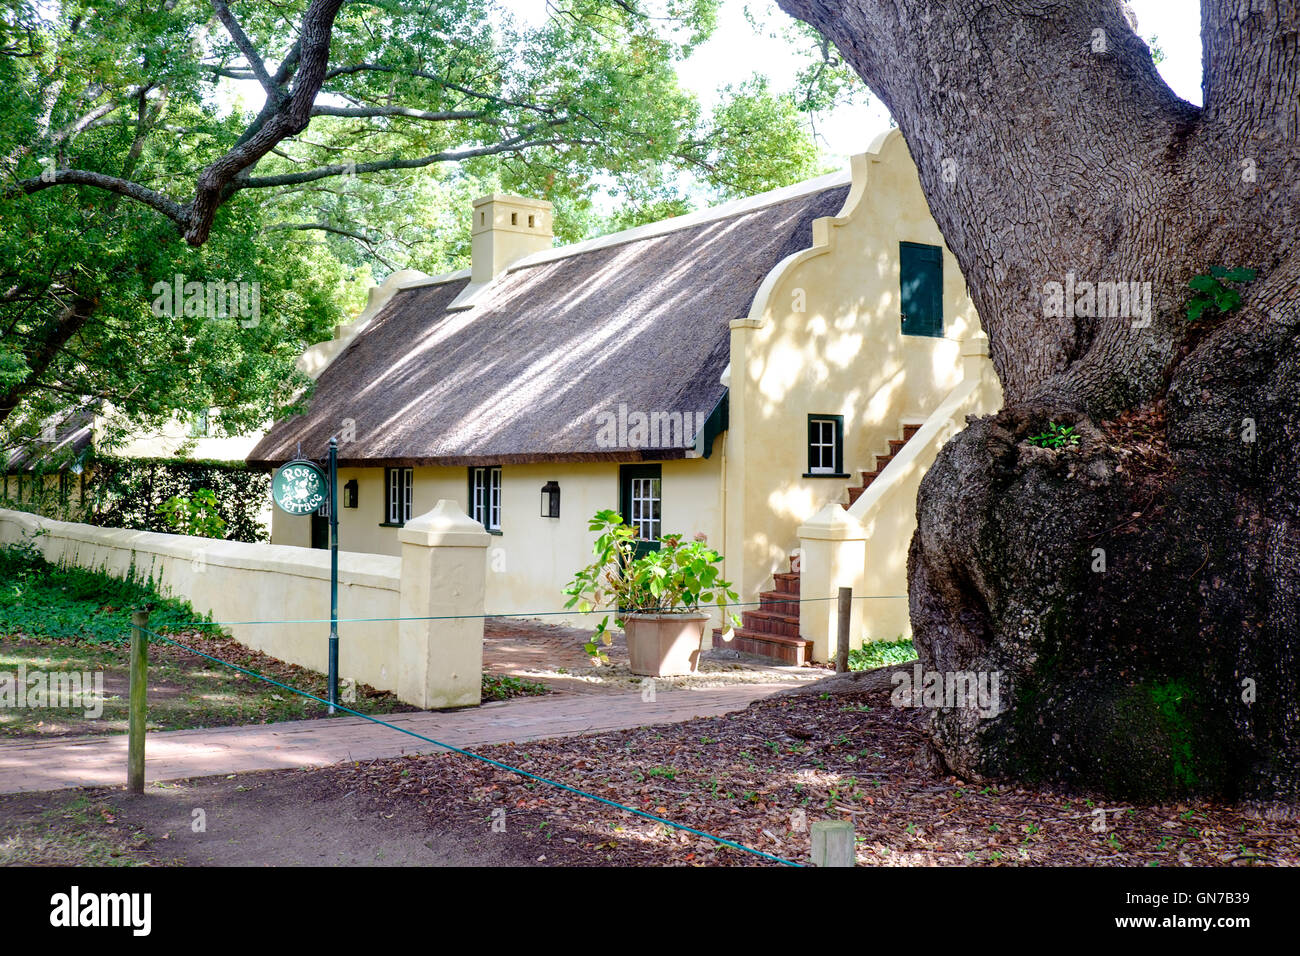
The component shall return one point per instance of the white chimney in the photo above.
(505, 230)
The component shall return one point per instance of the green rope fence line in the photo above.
(487, 760)
(515, 614)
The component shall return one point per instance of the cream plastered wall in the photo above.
(436, 665)
(823, 337)
(533, 558)
(865, 547)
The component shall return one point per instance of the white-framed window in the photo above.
(485, 496)
(398, 482)
(645, 505)
(825, 437)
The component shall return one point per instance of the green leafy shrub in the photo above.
(506, 687)
(132, 493)
(874, 654)
(1212, 295)
(677, 578)
(1056, 436)
(195, 514)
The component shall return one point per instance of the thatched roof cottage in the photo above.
(731, 372)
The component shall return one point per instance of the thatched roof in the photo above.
(551, 351)
(72, 435)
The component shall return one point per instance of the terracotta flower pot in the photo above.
(665, 645)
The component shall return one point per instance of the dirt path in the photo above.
(285, 818)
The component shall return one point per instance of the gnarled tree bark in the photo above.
(1049, 147)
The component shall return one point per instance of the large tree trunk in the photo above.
(1048, 145)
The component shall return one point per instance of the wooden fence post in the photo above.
(833, 843)
(139, 683)
(842, 631)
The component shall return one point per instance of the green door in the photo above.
(320, 528)
(920, 273)
(641, 503)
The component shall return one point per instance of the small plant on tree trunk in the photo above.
(678, 578)
(1212, 295)
(1056, 436)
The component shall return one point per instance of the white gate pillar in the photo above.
(832, 552)
(443, 576)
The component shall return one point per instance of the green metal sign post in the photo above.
(300, 487)
(334, 573)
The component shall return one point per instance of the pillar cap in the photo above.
(446, 526)
(976, 344)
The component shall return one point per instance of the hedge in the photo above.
(128, 493)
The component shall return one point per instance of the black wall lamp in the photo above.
(551, 499)
(350, 494)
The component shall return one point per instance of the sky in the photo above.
(734, 49)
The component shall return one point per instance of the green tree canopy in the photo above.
(297, 147)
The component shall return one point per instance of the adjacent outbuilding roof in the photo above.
(560, 348)
(72, 435)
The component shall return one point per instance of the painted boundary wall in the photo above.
(428, 663)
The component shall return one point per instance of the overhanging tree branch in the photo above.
(289, 117)
(174, 211)
(365, 112)
(274, 90)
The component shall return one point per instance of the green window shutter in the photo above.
(920, 273)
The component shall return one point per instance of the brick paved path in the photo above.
(175, 754)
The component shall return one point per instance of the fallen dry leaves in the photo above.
(761, 776)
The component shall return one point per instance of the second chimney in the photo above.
(506, 228)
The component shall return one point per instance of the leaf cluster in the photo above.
(677, 577)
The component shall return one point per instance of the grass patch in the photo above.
(84, 832)
(72, 620)
(881, 654)
(39, 598)
(504, 687)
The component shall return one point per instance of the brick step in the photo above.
(787, 582)
(778, 602)
(775, 647)
(763, 622)
(895, 446)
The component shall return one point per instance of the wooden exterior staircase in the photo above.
(772, 631)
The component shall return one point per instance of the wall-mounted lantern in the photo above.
(551, 499)
(350, 494)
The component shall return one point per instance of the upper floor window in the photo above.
(825, 445)
(485, 496)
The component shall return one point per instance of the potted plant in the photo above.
(656, 597)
